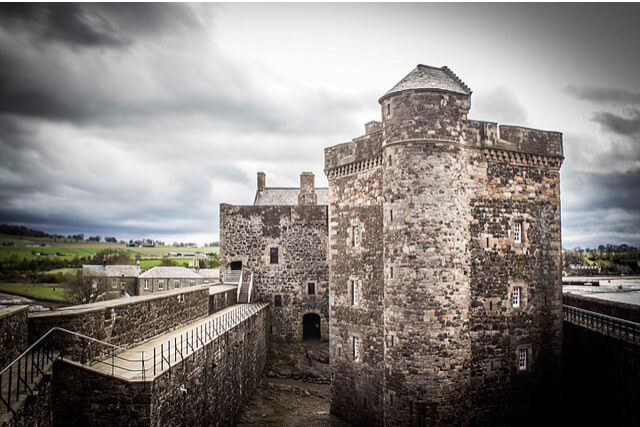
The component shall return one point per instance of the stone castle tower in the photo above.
(444, 261)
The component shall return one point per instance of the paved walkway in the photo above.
(153, 357)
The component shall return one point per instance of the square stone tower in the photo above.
(444, 262)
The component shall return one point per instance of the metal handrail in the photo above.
(250, 289)
(608, 325)
(239, 286)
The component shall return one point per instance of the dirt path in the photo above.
(289, 402)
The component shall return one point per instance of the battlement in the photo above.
(513, 138)
(359, 149)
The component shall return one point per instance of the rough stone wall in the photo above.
(300, 233)
(416, 115)
(125, 322)
(13, 333)
(208, 388)
(428, 187)
(452, 191)
(529, 195)
(356, 386)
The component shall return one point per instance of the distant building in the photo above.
(160, 279)
(209, 275)
(121, 279)
(282, 240)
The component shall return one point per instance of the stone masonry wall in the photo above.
(300, 233)
(208, 388)
(13, 333)
(530, 196)
(125, 322)
(356, 386)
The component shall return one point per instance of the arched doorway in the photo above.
(235, 265)
(310, 327)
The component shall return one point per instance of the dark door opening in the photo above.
(235, 265)
(310, 327)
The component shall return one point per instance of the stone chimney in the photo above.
(261, 180)
(372, 127)
(307, 194)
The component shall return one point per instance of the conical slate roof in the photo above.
(426, 77)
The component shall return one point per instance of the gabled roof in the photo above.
(281, 196)
(112, 270)
(208, 272)
(427, 77)
(160, 272)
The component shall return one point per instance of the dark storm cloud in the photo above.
(604, 95)
(618, 124)
(92, 25)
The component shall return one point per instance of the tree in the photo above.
(112, 257)
(111, 240)
(85, 288)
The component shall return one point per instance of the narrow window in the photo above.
(277, 300)
(356, 236)
(146, 283)
(356, 349)
(176, 284)
(311, 288)
(161, 284)
(114, 283)
(488, 243)
(354, 292)
(390, 272)
(193, 282)
(390, 160)
(388, 109)
(517, 232)
(391, 214)
(273, 255)
(522, 359)
(393, 340)
(515, 297)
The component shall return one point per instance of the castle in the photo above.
(443, 254)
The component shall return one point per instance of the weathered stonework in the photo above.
(299, 233)
(13, 333)
(125, 322)
(208, 388)
(456, 217)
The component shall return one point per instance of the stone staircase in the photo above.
(243, 298)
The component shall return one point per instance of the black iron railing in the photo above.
(607, 325)
(19, 379)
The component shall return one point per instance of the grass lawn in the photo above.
(161, 250)
(46, 291)
(61, 270)
(67, 252)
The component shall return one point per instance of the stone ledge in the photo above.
(10, 311)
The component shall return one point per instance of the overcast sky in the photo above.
(137, 120)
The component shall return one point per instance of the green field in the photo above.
(159, 251)
(46, 291)
(54, 252)
(152, 262)
(61, 270)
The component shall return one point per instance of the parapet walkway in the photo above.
(151, 358)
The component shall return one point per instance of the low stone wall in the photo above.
(13, 333)
(617, 309)
(221, 297)
(209, 387)
(129, 321)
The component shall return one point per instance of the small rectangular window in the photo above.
(114, 283)
(522, 359)
(390, 272)
(356, 349)
(311, 288)
(517, 232)
(160, 284)
(356, 236)
(515, 296)
(193, 282)
(354, 292)
(273, 256)
(390, 160)
(176, 284)
(277, 300)
(388, 109)
(146, 283)
(393, 340)
(391, 214)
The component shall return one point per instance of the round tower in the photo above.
(428, 185)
